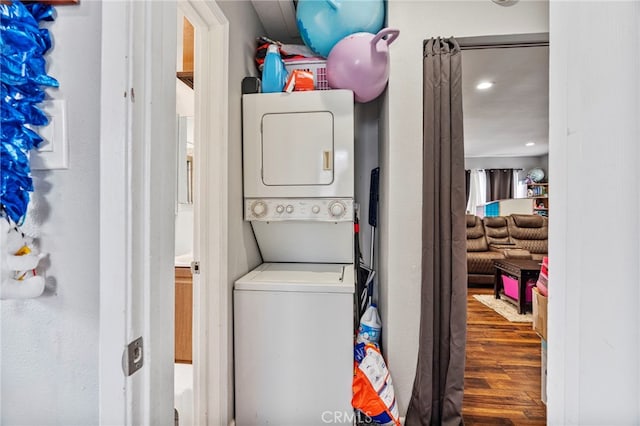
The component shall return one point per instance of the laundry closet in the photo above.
(293, 314)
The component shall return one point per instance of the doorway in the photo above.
(206, 194)
(184, 229)
(505, 108)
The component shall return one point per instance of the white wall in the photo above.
(244, 27)
(184, 229)
(594, 321)
(185, 105)
(401, 157)
(243, 254)
(366, 158)
(49, 350)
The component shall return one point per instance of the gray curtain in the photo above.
(499, 184)
(467, 184)
(439, 384)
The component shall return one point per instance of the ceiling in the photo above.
(278, 18)
(498, 121)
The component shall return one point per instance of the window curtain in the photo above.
(519, 184)
(438, 387)
(477, 195)
(467, 182)
(500, 184)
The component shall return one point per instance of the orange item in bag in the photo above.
(299, 80)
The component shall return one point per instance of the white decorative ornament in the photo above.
(20, 260)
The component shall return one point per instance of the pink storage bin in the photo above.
(543, 278)
(511, 288)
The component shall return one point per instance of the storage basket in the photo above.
(510, 285)
(318, 67)
(492, 209)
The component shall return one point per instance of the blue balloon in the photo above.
(323, 23)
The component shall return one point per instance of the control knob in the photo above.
(280, 208)
(289, 208)
(337, 209)
(315, 209)
(259, 208)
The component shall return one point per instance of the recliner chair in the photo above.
(530, 232)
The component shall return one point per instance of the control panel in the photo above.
(308, 209)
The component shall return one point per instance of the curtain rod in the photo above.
(503, 41)
(498, 168)
(502, 46)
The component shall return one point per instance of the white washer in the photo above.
(294, 344)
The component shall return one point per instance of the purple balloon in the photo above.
(360, 62)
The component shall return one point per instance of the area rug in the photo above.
(504, 308)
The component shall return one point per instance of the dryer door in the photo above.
(297, 148)
(298, 144)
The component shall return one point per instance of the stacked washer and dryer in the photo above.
(293, 314)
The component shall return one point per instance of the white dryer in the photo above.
(299, 174)
(298, 144)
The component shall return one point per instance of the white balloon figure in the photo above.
(19, 262)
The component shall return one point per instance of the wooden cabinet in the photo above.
(539, 192)
(183, 315)
(186, 75)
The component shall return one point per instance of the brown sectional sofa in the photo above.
(504, 237)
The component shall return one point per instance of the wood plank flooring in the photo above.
(502, 373)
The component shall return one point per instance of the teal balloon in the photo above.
(323, 23)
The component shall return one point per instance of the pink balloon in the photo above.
(360, 62)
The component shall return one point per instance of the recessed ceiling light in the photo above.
(484, 85)
(505, 2)
(529, 144)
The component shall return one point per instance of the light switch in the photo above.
(53, 152)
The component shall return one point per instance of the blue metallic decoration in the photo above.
(22, 47)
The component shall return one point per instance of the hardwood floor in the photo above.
(502, 373)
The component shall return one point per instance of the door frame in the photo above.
(137, 172)
(211, 349)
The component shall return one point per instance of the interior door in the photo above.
(297, 148)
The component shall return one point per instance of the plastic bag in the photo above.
(373, 392)
(543, 278)
(288, 52)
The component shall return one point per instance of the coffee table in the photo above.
(523, 270)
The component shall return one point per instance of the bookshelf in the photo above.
(539, 193)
